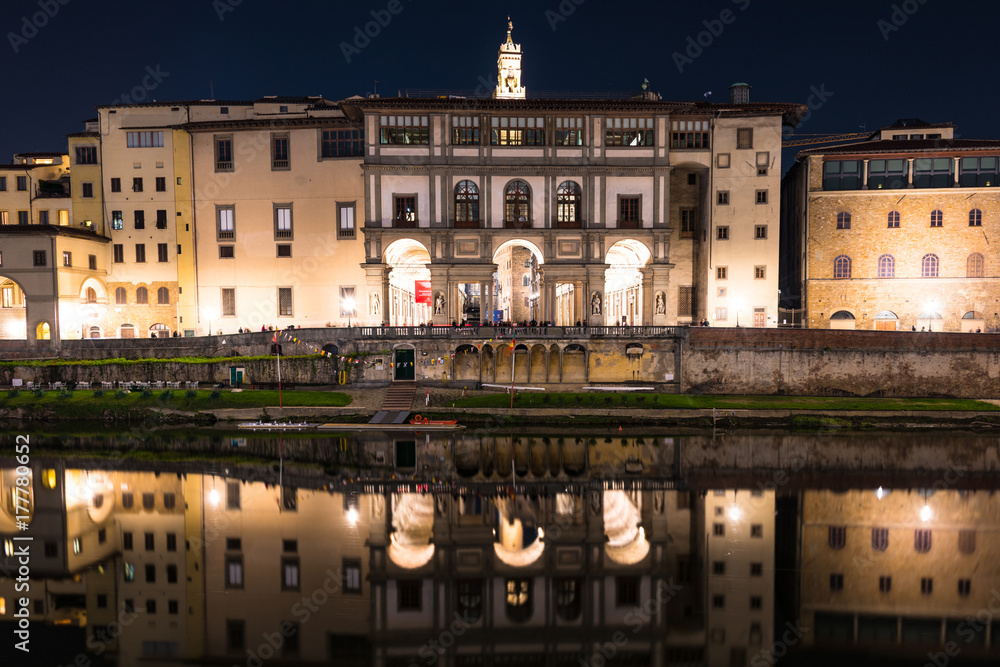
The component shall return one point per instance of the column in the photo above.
(376, 310)
(647, 306)
(909, 172)
(958, 166)
(441, 295)
(864, 174)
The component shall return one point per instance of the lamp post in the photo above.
(349, 308)
(210, 315)
(737, 304)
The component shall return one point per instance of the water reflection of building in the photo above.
(910, 567)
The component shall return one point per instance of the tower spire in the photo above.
(509, 69)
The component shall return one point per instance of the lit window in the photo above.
(842, 267)
(886, 266)
(929, 266)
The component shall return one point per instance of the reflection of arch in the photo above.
(42, 331)
(413, 527)
(626, 541)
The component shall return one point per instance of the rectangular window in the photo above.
(4, 218)
(760, 231)
(689, 222)
(719, 529)
(626, 591)
(933, 172)
(718, 602)
(722, 232)
(92, 262)
(966, 541)
(569, 132)
(345, 221)
(161, 219)
(43, 217)
(117, 220)
(884, 584)
(629, 211)
(342, 143)
(719, 567)
(171, 542)
(223, 153)
(127, 541)
(227, 252)
(119, 252)
(3, 184)
(137, 185)
(87, 190)
(721, 273)
(842, 175)
(922, 541)
(403, 130)
(144, 139)
(140, 252)
(172, 607)
(352, 575)
(722, 160)
(629, 132)
(757, 530)
(756, 569)
(161, 184)
(229, 302)
(759, 272)
(721, 314)
(517, 131)
(405, 211)
(279, 152)
(282, 221)
(116, 185)
(744, 138)
(150, 604)
(140, 219)
(978, 172)
(465, 131)
(836, 582)
(685, 301)
(690, 134)
(161, 252)
(232, 495)
(763, 162)
(22, 218)
(236, 632)
(964, 587)
(39, 258)
(22, 183)
(722, 197)
(150, 573)
(926, 585)
(148, 499)
(880, 539)
(284, 250)
(756, 602)
(762, 196)
(67, 258)
(887, 174)
(225, 217)
(285, 302)
(234, 571)
(409, 594)
(150, 541)
(289, 574)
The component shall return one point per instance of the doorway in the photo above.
(403, 364)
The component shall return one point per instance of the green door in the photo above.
(404, 364)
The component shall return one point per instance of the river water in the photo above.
(486, 548)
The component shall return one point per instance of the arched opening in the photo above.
(90, 295)
(466, 205)
(42, 331)
(569, 203)
(408, 261)
(842, 319)
(518, 282)
(574, 364)
(126, 331)
(623, 296)
(886, 320)
(973, 322)
(94, 332)
(930, 321)
(13, 323)
(467, 363)
(159, 331)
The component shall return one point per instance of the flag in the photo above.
(512, 341)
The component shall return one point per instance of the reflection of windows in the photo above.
(352, 575)
(880, 539)
(409, 594)
(171, 574)
(127, 498)
(235, 635)
(234, 571)
(626, 591)
(469, 600)
(129, 572)
(721, 272)
(289, 574)
(171, 542)
(836, 537)
(836, 582)
(568, 603)
(127, 541)
(884, 584)
(926, 585)
(757, 530)
(967, 541)
(518, 599)
(150, 541)
(964, 587)
(232, 495)
(148, 501)
(150, 574)
(756, 569)
(922, 541)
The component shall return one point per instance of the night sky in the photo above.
(863, 62)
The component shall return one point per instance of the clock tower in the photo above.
(509, 69)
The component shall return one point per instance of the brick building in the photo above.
(894, 233)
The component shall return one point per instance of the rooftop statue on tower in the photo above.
(509, 69)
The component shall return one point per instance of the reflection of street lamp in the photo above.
(737, 304)
(210, 315)
(349, 307)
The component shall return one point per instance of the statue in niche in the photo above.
(595, 304)
(376, 304)
(439, 304)
(661, 306)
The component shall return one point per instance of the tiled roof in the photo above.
(907, 146)
(42, 154)
(219, 103)
(84, 134)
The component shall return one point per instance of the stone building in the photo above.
(894, 233)
(656, 212)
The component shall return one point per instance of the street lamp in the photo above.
(210, 315)
(737, 304)
(349, 307)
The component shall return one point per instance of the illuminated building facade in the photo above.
(894, 233)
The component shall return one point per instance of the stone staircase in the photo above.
(396, 404)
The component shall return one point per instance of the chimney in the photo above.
(739, 93)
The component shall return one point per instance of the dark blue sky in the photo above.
(936, 64)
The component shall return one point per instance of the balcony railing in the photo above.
(282, 233)
(630, 224)
(225, 235)
(279, 164)
(224, 165)
(348, 233)
(567, 224)
(465, 224)
(403, 223)
(508, 333)
(517, 224)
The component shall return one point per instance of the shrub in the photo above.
(592, 398)
(545, 399)
(578, 398)
(191, 393)
(216, 393)
(147, 393)
(98, 393)
(166, 395)
(656, 398)
(624, 399)
(608, 400)
(39, 393)
(12, 393)
(64, 394)
(121, 393)
(640, 400)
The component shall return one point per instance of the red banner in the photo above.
(422, 291)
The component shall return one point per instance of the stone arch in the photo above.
(555, 363)
(886, 320)
(488, 364)
(575, 363)
(467, 363)
(537, 366)
(623, 292)
(13, 309)
(842, 319)
(408, 260)
(973, 321)
(520, 280)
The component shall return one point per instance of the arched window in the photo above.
(467, 202)
(843, 220)
(519, 599)
(842, 267)
(525, 280)
(121, 297)
(886, 266)
(568, 599)
(937, 218)
(159, 331)
(974, 266)
(517, 202)
(142, 295)
(975, 218)
(95, 332)
(127, 331)
(163, 296)
(929, 266)
(893, 219)
(91, 295)
(568, 204)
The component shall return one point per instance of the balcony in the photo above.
(348, 233)
(630, 224)
(404, 223)
(226, 235)
(465, 224)
(279, 164)
(282, 233)
(224, 165)
(567, 224)
(517, 224)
